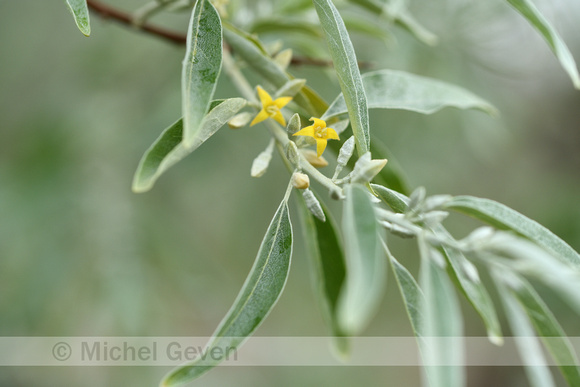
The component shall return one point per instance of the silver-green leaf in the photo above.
(411, 292)
(469, 283)
(549, 330)
(392, 89)
(347, 71)
(201, 68)
(256, 299)
(473, 288)
(365, 261)
(529, 11)
(529, 259)
(504, 218)
(169, 148)
(442, 324)
(397, 201)
(80, 13)
(326, 254)
(527, 343)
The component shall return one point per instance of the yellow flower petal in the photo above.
(307, 131)
(320, 146)
(283, 101)
(318, 122)
(262, 116)
(265, 98)
(279, 118)
(331, 134)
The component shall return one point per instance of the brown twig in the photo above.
(108, 12)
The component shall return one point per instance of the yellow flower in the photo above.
(320, 133)
(270, 108)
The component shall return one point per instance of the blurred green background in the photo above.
(81, 255)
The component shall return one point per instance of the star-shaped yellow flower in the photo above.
(270, 108)
(320, 133)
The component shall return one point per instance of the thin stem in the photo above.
(288, 191)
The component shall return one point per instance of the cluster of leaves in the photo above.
(350, 261)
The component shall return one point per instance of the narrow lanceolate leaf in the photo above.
(201, 67)
(397, 201)
(550, 331)
(503, 217)
(469, 282)
(528, 345)
(346, 67)
(365, 261)
(252, 52)
(528, 10)
(257, 297)
(168, 149)
(466, 274)
(442, 324)
(411, 292)
(391, 89)
(326, 254)
(531, 260)
(80, 13)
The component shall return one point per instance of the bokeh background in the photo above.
(81, 255)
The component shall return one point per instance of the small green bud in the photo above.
(261, 163)
(292, 154)
(313, 204)
(293, 124)
(313, 159)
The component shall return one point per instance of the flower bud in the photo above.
(260, 164)
(345, 153)
(313, 159)
(300, 180)
(313, 204)
(294, 124)
(292, 153)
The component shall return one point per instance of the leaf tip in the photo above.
(496, 340)
(85, 30)
(140, 186)
(341, 348)
(492, 111)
